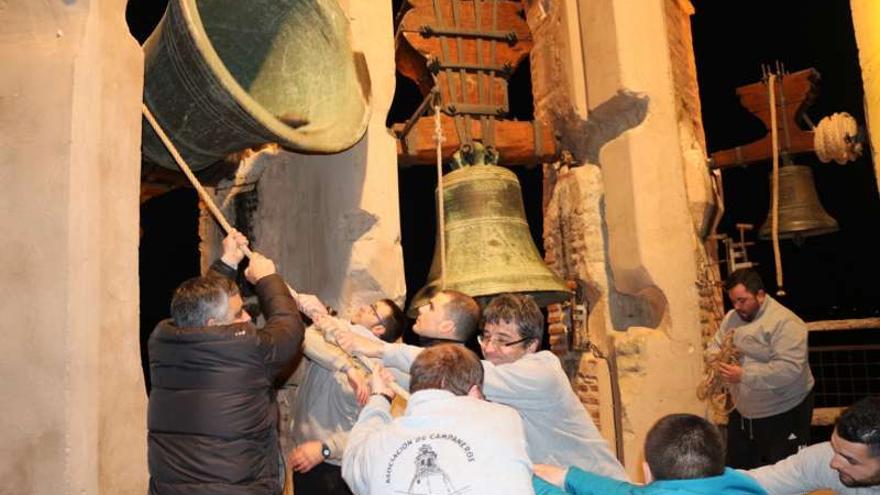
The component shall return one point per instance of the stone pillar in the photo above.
(628, 216)
(73, 404)
(653, 245)
(866, 21)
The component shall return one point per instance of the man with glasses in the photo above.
(558, 428)
(332, 390)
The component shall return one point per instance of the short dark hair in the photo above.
(683, 447)
(861, 424)
(747, 277)
(199, 299)
(463, 311)
(446, 367)
(394, 324)
(518, 309)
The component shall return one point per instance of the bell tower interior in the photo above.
(612, 120)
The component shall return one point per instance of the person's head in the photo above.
(746, 292)
(683, 447)
(384, 318)
(207, 301)
(512, 327)
(448, 315)
(856, 444)
(447, 367)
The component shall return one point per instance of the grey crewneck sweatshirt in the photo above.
(776, 370)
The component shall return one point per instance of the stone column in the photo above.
(866, 21)
(73, 404)
(627, 217)
(653, 245)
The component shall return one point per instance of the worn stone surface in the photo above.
(627, 219)
(73, 406)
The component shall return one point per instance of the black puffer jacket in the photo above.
(212, 412)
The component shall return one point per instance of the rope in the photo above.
(713, 389)
(360, 358)
(203, 194)
(209, 202)
(774, 204)
(836, 138)
(441, 211)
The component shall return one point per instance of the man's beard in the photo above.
(746, 317)
(849, 481)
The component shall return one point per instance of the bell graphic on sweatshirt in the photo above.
(429, 478)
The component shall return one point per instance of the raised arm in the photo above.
(374, 417)
(281, 338)
(804, 472)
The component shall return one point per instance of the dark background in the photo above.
(828, 277)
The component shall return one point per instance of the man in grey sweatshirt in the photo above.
(849, 464)
(772, 384)
(558, 428)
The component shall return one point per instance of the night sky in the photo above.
(831, 276)
(828, 277)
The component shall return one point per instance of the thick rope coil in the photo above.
(835, 138)
(713, 389)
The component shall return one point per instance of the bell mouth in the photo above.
(800, 214)
(489, 248)
(227, 75)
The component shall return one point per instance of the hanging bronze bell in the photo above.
(226, 75)
(489, 248)
(800, 213)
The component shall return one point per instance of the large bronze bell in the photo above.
(800, 213)
(224, 75)
(489, 248)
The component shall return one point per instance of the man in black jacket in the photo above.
(212, 412)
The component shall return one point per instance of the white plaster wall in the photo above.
(651, 239)
(73, 407)
(866, 21)
(332, 222)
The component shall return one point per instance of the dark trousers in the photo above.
(323, 479)
(757, 442)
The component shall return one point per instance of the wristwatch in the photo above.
(325, 451)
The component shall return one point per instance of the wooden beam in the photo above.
(826, 416)
(856, 324)
(515, 142)
(794, 93)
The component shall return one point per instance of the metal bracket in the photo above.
(471, 109)
(505, 71)
(508, 36)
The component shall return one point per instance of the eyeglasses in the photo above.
(379, 320)
(498, 343)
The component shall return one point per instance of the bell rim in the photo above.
(294, 138)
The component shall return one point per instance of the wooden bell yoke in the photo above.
(796, 92)
(460, 54)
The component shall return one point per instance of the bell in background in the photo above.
(224, 75)
(800, 213)
(489, 248)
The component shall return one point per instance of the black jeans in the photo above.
(758, 442)
(323, 479)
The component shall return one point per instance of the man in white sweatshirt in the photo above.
(558, 429)
(849, 464)
(449, 440)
